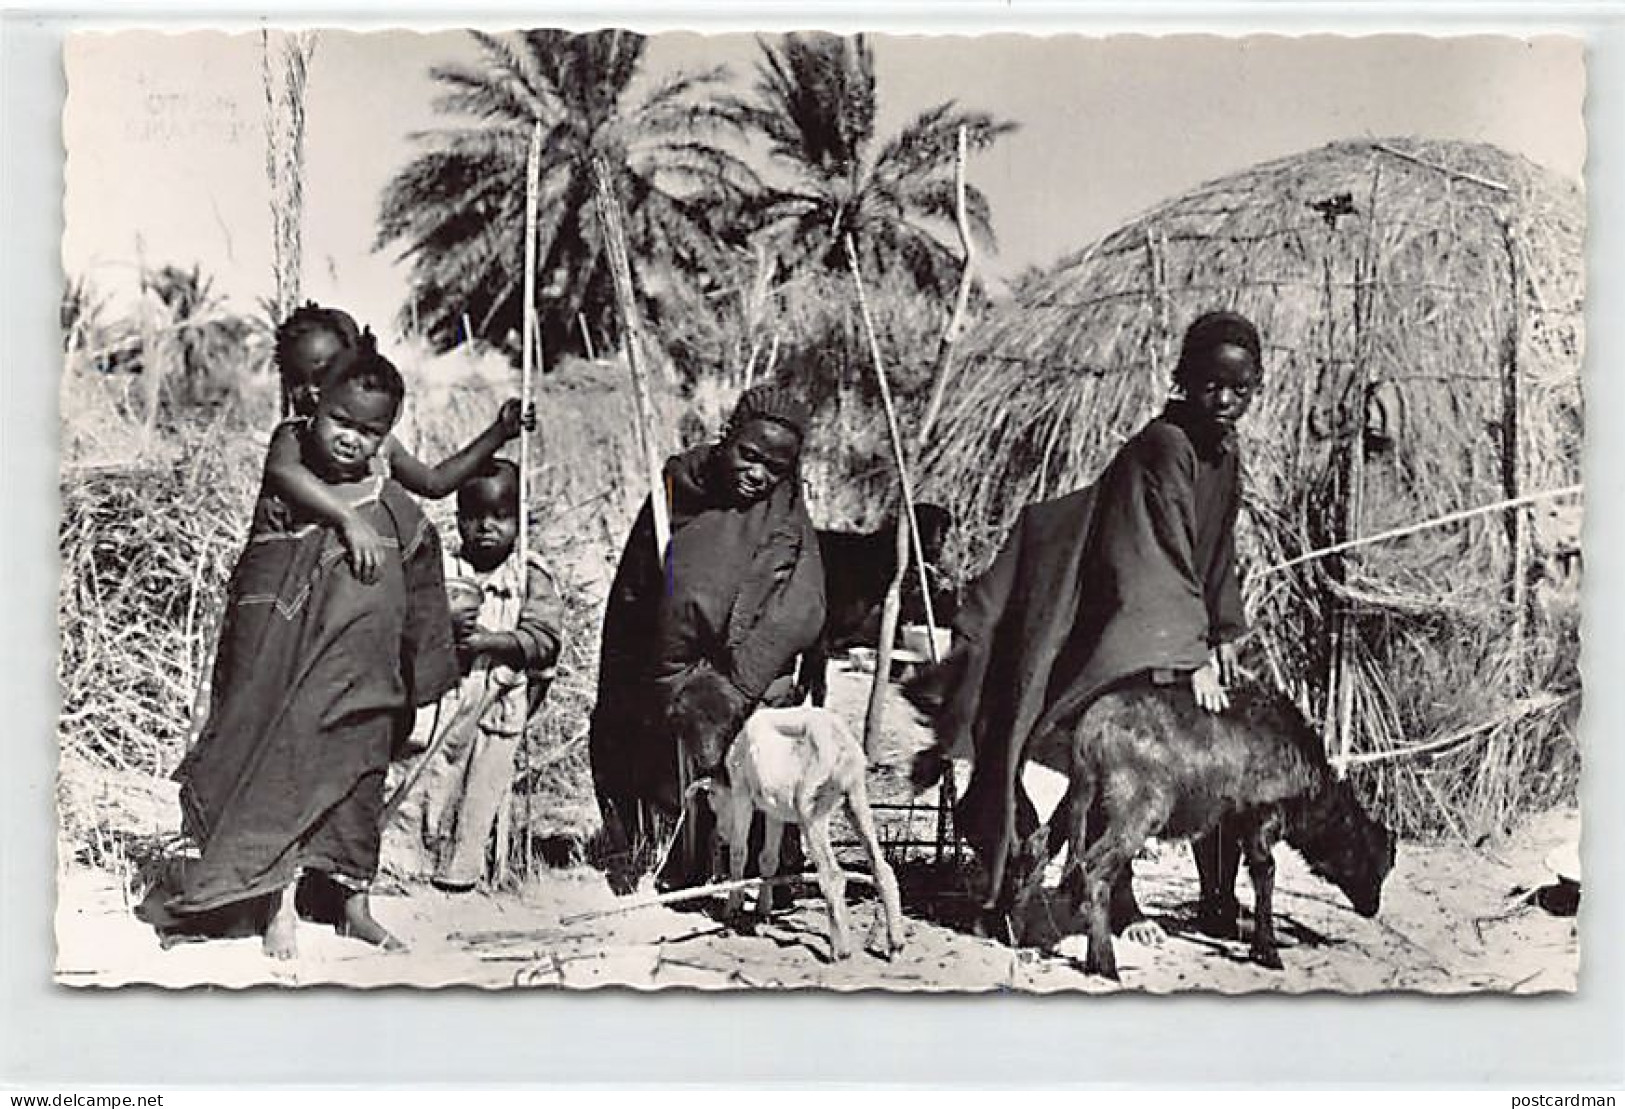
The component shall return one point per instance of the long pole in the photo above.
(620, 267)
(533, 165)
(527, 359)
(907, 528)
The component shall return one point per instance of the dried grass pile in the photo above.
(152, 524)
(1421, 306)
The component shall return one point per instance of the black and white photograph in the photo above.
(830, 511)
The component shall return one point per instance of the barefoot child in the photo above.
(507, 621)
(316, 675)
(306, 345)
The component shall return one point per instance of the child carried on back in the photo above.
(307, 344)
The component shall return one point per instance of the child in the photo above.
(508, 636)
(316, 675)
(307, 344)
(1136, 574)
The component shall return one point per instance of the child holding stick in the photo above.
(507, 618)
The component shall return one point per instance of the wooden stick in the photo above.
(437, 741)
(1516, 523)
(1529, 706)
(529, 338)
(1435, 522)
(533, 165)
(956, 319)
(621, 271)
(907, 526)
(1446, 170)
(698, 892)
(586, 336)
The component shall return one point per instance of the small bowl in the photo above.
(917, 640)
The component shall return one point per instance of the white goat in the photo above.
(796, 766)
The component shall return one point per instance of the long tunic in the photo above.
(742, 591)
(1135, 573)
(316, 678)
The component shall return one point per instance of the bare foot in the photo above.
(360, 924)
(282, 933)
(1147, 933)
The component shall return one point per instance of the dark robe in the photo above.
(1135, 573)
(742, 592)
(316, 679)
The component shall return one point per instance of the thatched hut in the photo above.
(1421, 306)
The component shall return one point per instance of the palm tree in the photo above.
(458, 208)
(815, 107)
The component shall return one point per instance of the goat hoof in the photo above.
(991, 924)
(1219, 925)
(1270, 959)
(1102, 970)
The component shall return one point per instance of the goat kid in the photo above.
(1148, 761)
(794, 766)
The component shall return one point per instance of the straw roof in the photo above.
(1420, 304)
(1454, 255)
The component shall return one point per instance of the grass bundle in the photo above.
(1421, 308)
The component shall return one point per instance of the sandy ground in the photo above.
(1453, 920)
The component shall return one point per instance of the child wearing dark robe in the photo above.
(1133, 575)
(316, 679)
(738, 591)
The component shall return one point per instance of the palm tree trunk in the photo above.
(284, 66)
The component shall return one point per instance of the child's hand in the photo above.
(472, 644)
(366, 549)
(1225, 655)
(464, 623)
(513, 417)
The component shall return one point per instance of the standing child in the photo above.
(307, 344)
(507, 620)
(316, 676)
(1133, 575)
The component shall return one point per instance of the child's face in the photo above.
(1223, 387)
(755, 460)
(350, 425)
(306, 364)
(488, 520)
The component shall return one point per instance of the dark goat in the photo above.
(1146, 760)
(858, 569)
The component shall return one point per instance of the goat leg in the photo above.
(1102, 865)
(832, 883)
(891, 901)
(738, 815)
(1261, 870)
(768, 863)
(1218, 856)
(813, 676)
(1088, 875)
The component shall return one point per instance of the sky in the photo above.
(166, 161)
